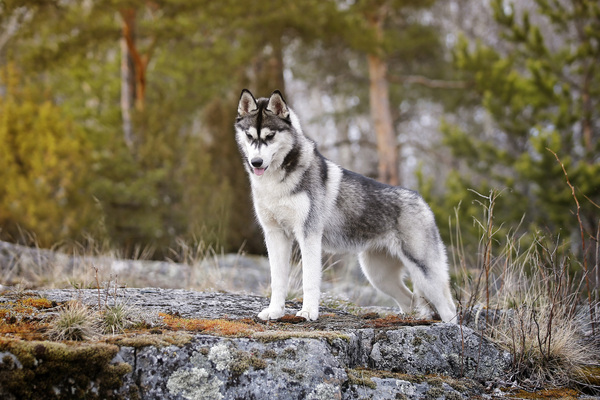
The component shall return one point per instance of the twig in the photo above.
(596, 266)
(582, 232)
(462, 348)
(538, 331)
(98, 287)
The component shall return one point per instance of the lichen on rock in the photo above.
(326, 391)
(221, 356)
(195, 384)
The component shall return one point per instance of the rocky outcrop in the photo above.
(340, 356)
(19, 263)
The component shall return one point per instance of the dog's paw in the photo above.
(309, 315)
(271, 313)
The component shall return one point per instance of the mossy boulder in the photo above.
(48, 370)
(209, 346)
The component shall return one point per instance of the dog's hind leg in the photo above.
(435, 290)
(384, 272)
(429, 275)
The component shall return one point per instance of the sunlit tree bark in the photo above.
(380, 109)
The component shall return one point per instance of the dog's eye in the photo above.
(249, 136)
(270, 136)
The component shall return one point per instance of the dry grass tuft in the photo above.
(74, 322)
(118, 317)
(531, 293)
(547, 350)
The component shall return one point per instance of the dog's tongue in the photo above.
(259, 171)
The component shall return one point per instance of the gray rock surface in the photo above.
(340, 356)
(22, 263)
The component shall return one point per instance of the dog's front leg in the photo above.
(279, 247)
(310, 248)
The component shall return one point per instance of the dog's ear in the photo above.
(247, 103)
(277, 105)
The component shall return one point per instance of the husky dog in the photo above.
(300, 195)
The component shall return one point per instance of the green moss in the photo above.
(258, 363)
(453, 396)
(417, 341)
(340, 304)
(134, 392)
(178, 339)
(435, 381)
(434, 393)
(240, 364)
(268, 353)
(365, 375)
(373, 373)
(358, 377)
(242, 361)
(61, 371)
(273, 336)
(289, 353)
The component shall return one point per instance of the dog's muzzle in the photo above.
(257, 168)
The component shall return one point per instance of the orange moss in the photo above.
(39, 303)
(21, 318)
(394, 320)
(22, 328)
(557, 393)
(242, 327)
(11, 309)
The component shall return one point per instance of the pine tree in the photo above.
(542, 93)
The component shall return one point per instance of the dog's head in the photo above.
(264, 131)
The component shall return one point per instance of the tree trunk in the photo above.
(140, 62)
(128, 79)
(276, 65)
(387, 146)
(127, 93)
(268, 69)
(587, 107)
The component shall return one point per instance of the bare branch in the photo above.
(581, 229)
(430, 83)
(20, 16)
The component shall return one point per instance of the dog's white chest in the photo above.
(287, 211)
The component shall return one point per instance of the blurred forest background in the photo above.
(116, 117)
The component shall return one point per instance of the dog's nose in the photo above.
(256, 162)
